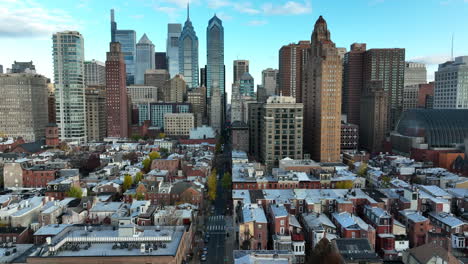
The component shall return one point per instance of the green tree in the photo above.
(146, 165)
(362, 170)
(136, 137)
(344, 185)
(164, 151)
(127, 183)
(218, 147)
(75, 192)
(154, 155)
(140, 196)
(212, 182)
(385, 182)
(226, 181)
(138, 177)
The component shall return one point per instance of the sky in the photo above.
(254, 29)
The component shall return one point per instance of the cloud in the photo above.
(432, 59)
(29, 19)
(179, 3)
(224, 16)
(215, 4)
(288, 8)
(257, 22)
(245, 8)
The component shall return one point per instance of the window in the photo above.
(282, 222)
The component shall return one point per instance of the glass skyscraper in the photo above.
(68, 54)
(215, 56)
(172, 48)
(127, 39)
(144, 58)
(188, 53)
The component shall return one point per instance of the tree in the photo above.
(136, 137)
(138, 177)
(75, 192)
(362, 170)
(154, 155)
(146, 165)
(212, 182)
(161, 135)
(140, 196)
(344, 185)
(131, 156)
(324, 253)
(127, 183)
(226, 181)
(218, 147)
(385, 182)
(164, 151)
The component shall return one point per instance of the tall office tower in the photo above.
(95, 73)
(374, 111)
(197, 98)
(451, 84)
(172, 48)
(68, 52)
(353, 82)
(322, 97)
(270, 81)
(203, 76)
(96, 113)
(215, 56)
(255, 123)
(246, 85)
(127, 40)
(388, 66)
(216, 111)
(51, 108)
(415, 73)
(178, 89)
(142, 94)
(261, 94)
(21, 67)
(158, 79)
(188, 53)
(144, 58)
(236, 103)
(116, 93)
(292, 62)
(426, 95)
(239, 68)
(1, 69)
(23, 107)
(282, 134)
(160, 61)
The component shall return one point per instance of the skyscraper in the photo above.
(144, 58)
(116, 93)
(292, 62)
(197, 98)
(178, 89)
(21, 67)
(353, 81)
(172, 48)
(215, 56)
(451, 85)
(239, 68)
(203, 76)
(95, 73)
(246, 85)
(415, 73)
(188, 53)
(374, 111)
(270, 81)
(322, 97)
(23, 107)
(96, 113)
(127, 40)
(216, 111)
(68, 53)
(158, 79)
(388, 66)
(160, 61)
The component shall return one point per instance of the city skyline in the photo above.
(258, 22)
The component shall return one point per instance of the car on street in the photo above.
(203, 258)
(205, 251)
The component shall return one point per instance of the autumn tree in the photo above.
(75, 192)
(127, 183)
(344, 185)
(154, 155)
(146, 165)
(212, 182)
(362, 170)
(385, 181)
(138, 177)
(226, 181)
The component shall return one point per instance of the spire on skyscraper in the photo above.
(188, 10)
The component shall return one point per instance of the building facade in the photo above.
(451, 85)
(143, 94)
(292, 62)
(155, 112)
(270, 82)
(178, 89)
(216, 111)
(246, 85)
(68, 53)
(24, 106)
(349, 136)
(96, 114)
(117, 111)
(178, 124)
(172, 48)
(127, 40)
(188, 53)
(160, 60)
(240, 136)
(322, 97)
(158, 78)
(215, 75)
(415, 73)
(22, 67)
(197, 98)
(239, 68)
(95, 72)
(144, 58)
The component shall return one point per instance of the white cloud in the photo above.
(215, 4)
(179, 3)
(223, 16)
(257, 22)
(288, 8)
(432, 59)
(245, 8)
(29, 19)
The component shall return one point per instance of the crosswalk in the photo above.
(216, 224)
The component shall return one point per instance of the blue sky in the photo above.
(254, 29)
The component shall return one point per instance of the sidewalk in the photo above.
(230, 243)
